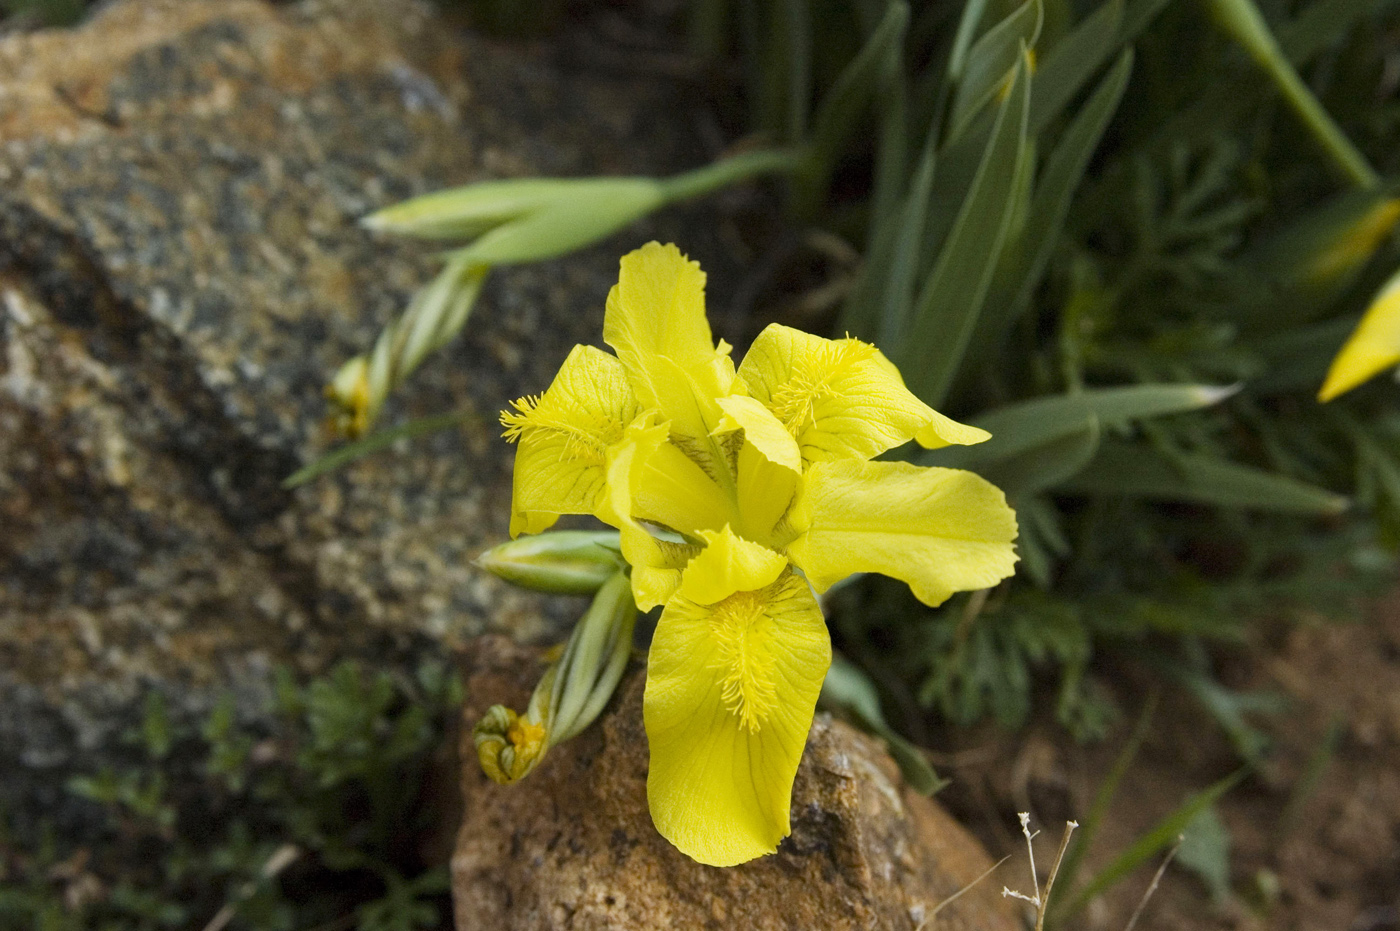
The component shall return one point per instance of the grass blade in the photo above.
(1162, 835)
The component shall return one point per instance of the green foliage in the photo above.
(314, 818)
(1076, 282)
(46, 12)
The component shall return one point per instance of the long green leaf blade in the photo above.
(953, 293)
(1143, 472)
(1072, 61)
(1030, 425)
(992, 61)
(854, 88)
(1021, 267)
(1047, 465)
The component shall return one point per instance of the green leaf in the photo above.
(837, 116)
(962, 41)
(1072, 61)
(1138, 16)
(1205, 851)
(897, 296)
(847, 689)
(1047, 465)
(1322, 25)
(1159, 838)
(372, 444)
(952, 295)
(1030, 425)
(1022, 265)
(1122, 468)
(992, 61)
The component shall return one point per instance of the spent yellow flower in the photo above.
(739, 496)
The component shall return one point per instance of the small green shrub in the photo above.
(309, 812)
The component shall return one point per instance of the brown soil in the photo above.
(1301, 859)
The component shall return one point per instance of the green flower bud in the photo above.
(526, 220)
(562, 562)
(570, 695)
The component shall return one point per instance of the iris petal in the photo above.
(841, 399)
(1373, 347)
(731, 689)
(940, 530)
(564, 438)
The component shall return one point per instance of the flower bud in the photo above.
(562, 562)
(526, 220)
(508, 745)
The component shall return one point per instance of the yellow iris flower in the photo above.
(739, 496)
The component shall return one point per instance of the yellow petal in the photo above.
(1372, 347)
(767, 468)
(762, 429)
(841, 399)
(940, 530)
(729, 564)
(656, 563)
(673, 491)
(731, 688)
(656, 312)
(564, 437)
(764, 491)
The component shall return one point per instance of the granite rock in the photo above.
(181, 270)
(572, 846)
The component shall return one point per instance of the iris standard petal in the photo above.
(656, 312)
(841, 399)
(564, 437)
(731, 689)
(939, 530)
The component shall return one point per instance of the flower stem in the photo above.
(726, 172)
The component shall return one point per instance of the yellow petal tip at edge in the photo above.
(1373, 347)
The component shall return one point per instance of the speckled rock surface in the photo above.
(573, 847)
(180, 272)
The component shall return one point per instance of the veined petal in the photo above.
(1372, 347)
(765, 491)
(564, 438)
(767, 467)
(672, 490)
(940, 530)
(656, 564)
(731, 688)
(656, 312)
(841, 399)
(762, 429)
(727, 565)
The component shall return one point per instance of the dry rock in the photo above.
(181, 270)
(573, 847)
